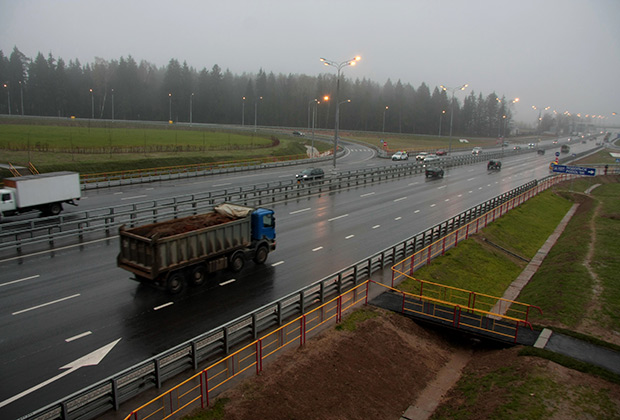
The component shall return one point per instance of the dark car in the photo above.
(310, 174)
(494, 165)
(434, 172)
(441, 152)
(541, 151)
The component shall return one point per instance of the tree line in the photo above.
(124, 89)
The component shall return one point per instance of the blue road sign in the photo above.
(574, 170)
(557, 154)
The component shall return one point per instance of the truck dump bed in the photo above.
(165, 246)
(52, 187)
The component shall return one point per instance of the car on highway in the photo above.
(421, 155)
(531, 146)
(400, 155)
(476, 150)
(463, 141)
(430, 158)
(494, 165)
(555, 142)
(441, 152)
(298, 133)
(516, 148)
(434, 172)
(541, 151)
(310, 174)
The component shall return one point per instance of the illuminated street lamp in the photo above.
(386, 108)
(242, 111)
(338, 67)
(314, 117)
(169, 107)
(540, 110)
(9, 97)
(463, 87)
(92, 105)
(440, 118)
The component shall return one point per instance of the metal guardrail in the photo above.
(97, 223)
(218, 343)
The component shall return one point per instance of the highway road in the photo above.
(61, 305)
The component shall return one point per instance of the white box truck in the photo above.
(43, 192)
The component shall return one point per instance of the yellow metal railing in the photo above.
(198, 388)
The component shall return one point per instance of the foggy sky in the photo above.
(559, 53)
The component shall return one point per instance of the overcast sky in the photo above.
(559, 53)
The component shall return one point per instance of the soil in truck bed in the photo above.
(179, 226)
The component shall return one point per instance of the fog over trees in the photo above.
(126, 89)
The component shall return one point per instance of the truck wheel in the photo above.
(54, 209)
(175, 284)
(237, 262)
(261, 255)
(199, 274)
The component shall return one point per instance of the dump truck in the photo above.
(179, 252)
(43, 192)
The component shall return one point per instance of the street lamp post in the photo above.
(8, 91)
(540, 110)
(260, 98)
(21, 94)
(452, 110)
(440, 118)
(339, 67)
(242, 111)
(112, 104)
(314, 117)
(169, 108)
(191, 108)
(386, 108)
(92, 105)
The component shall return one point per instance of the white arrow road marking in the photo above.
(90, 359)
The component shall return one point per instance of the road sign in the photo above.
(574, 170)
(557, 154)
(617, 160)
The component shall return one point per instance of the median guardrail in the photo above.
(92, 224)
(214, 345)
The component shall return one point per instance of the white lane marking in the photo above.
(300, 211)
(471, 179)
(224, 283)
(376, 226)
(443, 186)
(349, 237)
(479, 188)
(460, 195)
(417, 211)
(19, 280)
(400, 199)
(397, 218)
(277, 263)
(336, 218)
(59, 249)
(221, 185)
(157, 308)
(367, 194)
(317, 249)
(149, 189)
(76, 337)
(433, 205)
(447, 199)
(134, 197)
(413, 183)
(471, 192)
(118, 193)
(45, 304)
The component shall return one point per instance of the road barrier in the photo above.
(222, 341)
(83, 226)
